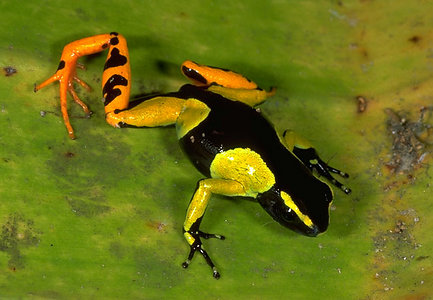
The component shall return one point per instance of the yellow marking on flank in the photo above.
(289, 202)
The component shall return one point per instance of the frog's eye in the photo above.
(194, 75)
(283, 209)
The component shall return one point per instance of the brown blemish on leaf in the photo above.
(9, 71)
(392, 220)
(408, 149)
(422, 257)
(394, 244)
(400, 226)
(362, 104)
(156, 225)
(395, 184)
(415, 39)
(69, 154)
(363, 52)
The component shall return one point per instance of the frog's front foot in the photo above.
(196, 245)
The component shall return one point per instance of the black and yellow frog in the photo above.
(226, 138)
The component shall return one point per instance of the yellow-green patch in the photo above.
(193, 113)
(244, 166)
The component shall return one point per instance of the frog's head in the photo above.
(194, 72)
(306, 212)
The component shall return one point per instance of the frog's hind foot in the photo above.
(197, 246)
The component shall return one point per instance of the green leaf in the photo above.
(101, 216)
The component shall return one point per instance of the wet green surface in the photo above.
(101, 216)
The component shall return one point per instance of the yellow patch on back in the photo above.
(289, 203)
(246, 167)
(192, 114)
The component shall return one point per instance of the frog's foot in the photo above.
(325, 170)
(312, 160)
(197, 246)
(74, 95)
(66, 76)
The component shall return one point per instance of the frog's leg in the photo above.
(250, 97)
(196, 210)
(157, 111)
(227, 83)
(308, 155)
(115, 79)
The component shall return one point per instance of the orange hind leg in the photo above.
(115, 79)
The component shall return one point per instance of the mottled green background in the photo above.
(101, 216)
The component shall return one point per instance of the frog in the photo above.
(223, 133)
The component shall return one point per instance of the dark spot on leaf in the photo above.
(364, 52)
(69, 154)
(362, 104)
(117, 250)
(400, 227)
(164, 66)
(16, 234)
(159, 226)
(9, 71)
(84, 208)
(183, 15)
(415, 39)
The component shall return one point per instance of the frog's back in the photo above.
(230, 125)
